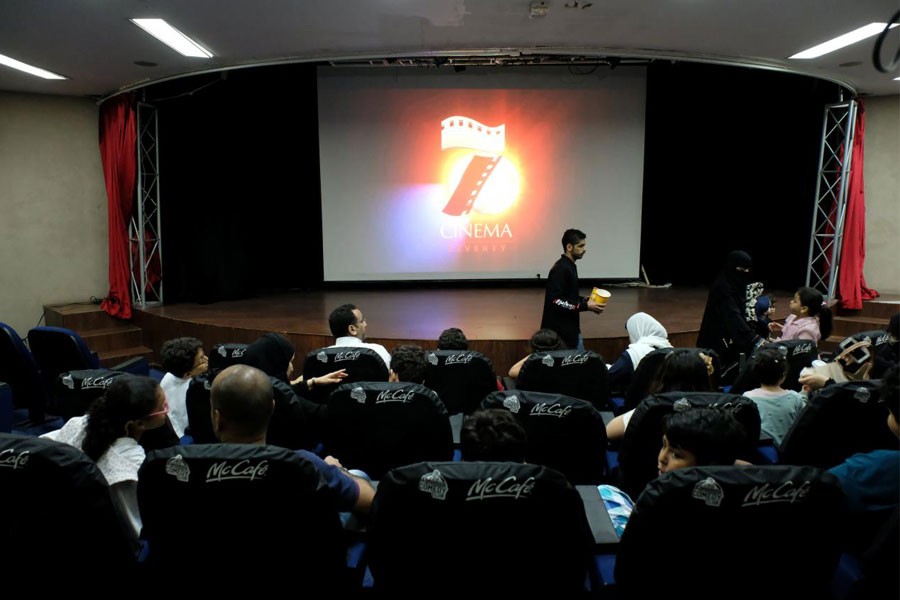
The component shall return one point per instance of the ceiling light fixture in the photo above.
(857, 35)
(15, 64)
(171, 37)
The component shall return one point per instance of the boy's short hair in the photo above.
(712, 435)
(453, 338)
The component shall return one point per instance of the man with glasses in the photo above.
(182, 359)
(348, 326)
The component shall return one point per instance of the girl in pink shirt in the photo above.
(810, 318)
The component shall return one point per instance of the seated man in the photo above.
(242, 402)
(348, 326)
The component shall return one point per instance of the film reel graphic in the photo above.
(488, 144)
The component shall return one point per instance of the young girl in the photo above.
(110, 432)
(778, 407)
(810, 318)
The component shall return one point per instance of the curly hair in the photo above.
(128, 398)
(178, 355)
(409, 363)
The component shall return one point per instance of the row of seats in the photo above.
(33, 374)
(221, 513)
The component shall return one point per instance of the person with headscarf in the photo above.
(297, 423)
(646, 334)
(725, 328)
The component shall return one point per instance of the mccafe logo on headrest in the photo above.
(178, 468)
(242, 469)
(394, 396)
(512, 404)
(802, 349)
(10, 460)
(96, 383)
(459, 359)
(767, 493)
(434, 485)
(550, 410)
(574, 359)
(486, 489)
(341, 356)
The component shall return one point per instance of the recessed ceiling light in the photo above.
(15, 64)
(171, 37)
(857, 35)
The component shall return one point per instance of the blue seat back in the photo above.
(58, 350)
(799, 355)
(19, 371)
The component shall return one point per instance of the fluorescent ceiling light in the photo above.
(171, 37)
(15, 64)
(857, 35)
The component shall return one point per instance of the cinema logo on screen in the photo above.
(482, 182)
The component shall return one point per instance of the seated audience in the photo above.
(348, 326)
(182, 359)
(452, 339)
(646, 335)
(109, 434)
(683, 370)
(778, 407)
(543, 340)
(242, 401)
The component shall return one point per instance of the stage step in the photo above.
(114, 340)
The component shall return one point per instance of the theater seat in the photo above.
(569, 372)
(224, 515)
(59, 522)
(478, 529)
(799, 355)
(461, 378)
(564, 433)
(838, 421)
(20, 372)
(640, 446)
(376, 426)
(733, 532)
(362, 364)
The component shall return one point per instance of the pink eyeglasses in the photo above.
(164, 410)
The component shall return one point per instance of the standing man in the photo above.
(562, 304)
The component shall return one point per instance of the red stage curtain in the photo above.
(851, 282)
(118, 133)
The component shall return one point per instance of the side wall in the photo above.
(882, 155)
(53, 232)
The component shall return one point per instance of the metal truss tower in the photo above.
(831, 197)
(144, 230)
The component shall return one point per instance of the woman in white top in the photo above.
(109, 434)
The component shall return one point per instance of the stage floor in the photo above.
(498, 321)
